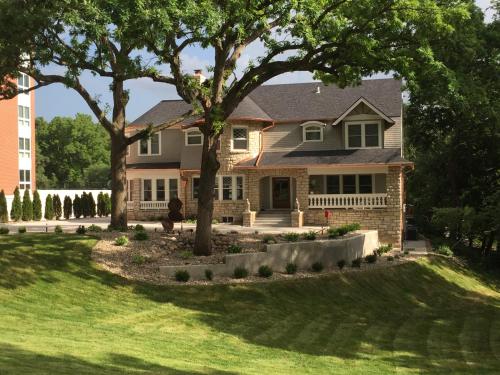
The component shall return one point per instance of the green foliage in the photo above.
(186, 254)
(77, 206)
(182, 276)
(265, 271)
(21, 230)
(390, 258)
(92, 205)
(37, 206)
(240, 273)
(317, 267)
(138, 259)
(310, 236)
(27, 206)
(356, 263)
(448, 221)
(234, 249)
(4, 230)
(444, 250)
(16, 210)
(81, 229)
(383, 249)
(291, 237)
(4, 215)
(121, 241)
(141, 236)
(67, 207)
(49, 208)
(335, 232)
(341, 263)
(56, 203)
(268, 239)
(84, 204)
(58, 229)
(372, 258)
(107, 201)
(291, 268)
(94, 228)
(139, 228)
(209, 274)
(101, 204)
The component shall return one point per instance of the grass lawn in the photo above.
(60, 314)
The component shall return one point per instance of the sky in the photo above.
(56, 100)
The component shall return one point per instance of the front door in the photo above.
(281, 192)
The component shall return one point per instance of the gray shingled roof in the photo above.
(298, 101)
(328, 157)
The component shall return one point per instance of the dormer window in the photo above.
(312, 131)
(363, 134)
(194, 137)
(240, 138)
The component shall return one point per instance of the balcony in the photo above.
(358, 201)
(154, 205)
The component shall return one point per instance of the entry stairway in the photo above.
(273, 218)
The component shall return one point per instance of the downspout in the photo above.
(262, 142)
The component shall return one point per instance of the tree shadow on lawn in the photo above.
(15, 360)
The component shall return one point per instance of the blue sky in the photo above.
(56, 100)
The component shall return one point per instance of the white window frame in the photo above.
(341, 182)
(234, 189)
(23, 77)
(23, 152)
(22, 119)
(23, 181)
(363, 137)
(153, 179)
(247, 139)
(149, 146)
(187, 134)
(312, 124)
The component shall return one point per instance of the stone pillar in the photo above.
(248, 218)
(394, 205)
(136, 197)
(297, 219)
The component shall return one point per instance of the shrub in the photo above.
(444, 250)
(291, 237)
(67, 207)
(94, 228)
(16, 211)
(352, 227)
(384, 249)
(121, 241)
(84, 204)
(209, 275)
(396, 256)
(186, 254)
(141, 236)
(234, 249)
(139, 228)
(81, 230)
(291, 268)
(37, 206)
(265, 271)
(182, 276)
(4, 230)
(4, 215)
(310, 236)
(101, 205)
(77, 206)
(27, 206)
(58, 229)
(107, 200)
(174, 210)
(49, 208)
(406, 252)
(390, 258)
(333, 233)
(240, 273)
(56, 203)
(341, 264)
(356, 263)
(138, 259)
(21, 230)
(92, 205)
(317, 267)
(268, 239)
(190, 220)
(372, 258)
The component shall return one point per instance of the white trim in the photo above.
(154, 178)
(312, 124)
(186, 135)
(149, 146)
(371, 106)
(234, 189)
(363, 137)
(247, 139)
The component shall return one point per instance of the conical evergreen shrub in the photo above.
(107, 200)
(4, 214)
(49, 208)
(77, 206)
(56, 203)
(16, 211)
(92, 205)
(27, 206)
(101, 205)
(37, 206)
(67, 207)
(85, 205)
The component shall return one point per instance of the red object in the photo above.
(327, 214)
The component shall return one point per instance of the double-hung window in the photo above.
(23, 114)
(365, 184)
(240, 138)
(150, 146)
(194, 137)
(23, 82)
(159, 189)
(173, 191)
(227, 188)
(24, 147)
(24, 179)
(147, 190)
(363, 134)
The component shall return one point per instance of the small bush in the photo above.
(352, 227)
(182, 276)
(390, 258)
(356, 263)
(81, 230)
(265, 271)
(190, 220)
(21, 230)
(4, 214)
(37, 207)
(121, 241)
(58, 229)
(341, 264)
(139, 228)
(4, 230)
(94, 228)
(234, 249)
(317, 267)
(385, 248)
(291, 237)
(310, 236)
(372, 258)
(268, 239)
(240, 273)
(444, 250)
(333, 233)
(291, 268)
(141, 236)
(215, 221)
(396, 256)
(138, 259)
(27, 206)
(186, 254)
(49, 208)
(16, 210)
(406, 252)
(209, 275)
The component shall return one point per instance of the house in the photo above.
(17, 143)
(338, 153)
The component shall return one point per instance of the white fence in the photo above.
(347, 200)
(61, 193)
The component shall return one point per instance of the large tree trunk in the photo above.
(118, 183)
(209, 168)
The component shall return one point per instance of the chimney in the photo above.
(199, 75)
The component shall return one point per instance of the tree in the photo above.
(16, 211)
(107, 200)
(341, 41)
(67, 207)
(77, 206)
(92, 205)
(56, 203)
(37, 206)
(4, 214)
(49, 208)
(27, 206)
(85, 205)
(101, 205)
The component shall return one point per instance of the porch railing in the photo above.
(347, 200)
(154, 205)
